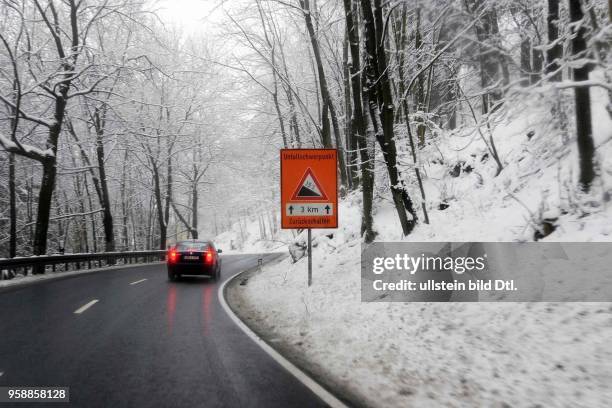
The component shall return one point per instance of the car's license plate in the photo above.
(191, 258)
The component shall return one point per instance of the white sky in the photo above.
(191, 15)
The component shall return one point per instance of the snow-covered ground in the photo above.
(245, 237)
(432, 354)
(455, 354)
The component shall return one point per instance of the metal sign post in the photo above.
(309, 257)
(309, 191)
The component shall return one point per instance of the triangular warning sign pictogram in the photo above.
(309, 189)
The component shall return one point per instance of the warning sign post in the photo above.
(309, 191)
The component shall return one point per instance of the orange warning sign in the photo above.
(309, 188)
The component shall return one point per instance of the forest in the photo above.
(121, 131)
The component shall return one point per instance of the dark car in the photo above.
(194, 257)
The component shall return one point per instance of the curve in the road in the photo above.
(314, 386)
(151, 344)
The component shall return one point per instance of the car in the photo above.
(194, 257)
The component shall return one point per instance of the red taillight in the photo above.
(172, 256)
(208, 257)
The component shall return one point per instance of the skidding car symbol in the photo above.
(193, 257)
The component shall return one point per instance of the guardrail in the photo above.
(63, 262)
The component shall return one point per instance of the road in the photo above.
(146, 342)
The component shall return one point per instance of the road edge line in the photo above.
(300, 375)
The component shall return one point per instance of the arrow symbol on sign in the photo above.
(327, 208)
(290, 209)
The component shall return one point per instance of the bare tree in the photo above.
(380, 106)
(328, 109)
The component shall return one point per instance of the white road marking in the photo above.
(138, 281)
(314, 386)
(85, 306)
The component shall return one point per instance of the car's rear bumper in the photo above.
(191, 269)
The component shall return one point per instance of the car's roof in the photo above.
(201, 241)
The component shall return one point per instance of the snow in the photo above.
(9, 145)
(428, 354)
(454, 354)
(468, 354)
(245, 237)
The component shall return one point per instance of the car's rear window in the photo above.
(193, 246)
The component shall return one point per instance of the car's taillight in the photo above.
(208, 257)
(172, 256)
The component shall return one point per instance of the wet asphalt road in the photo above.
(153, 343)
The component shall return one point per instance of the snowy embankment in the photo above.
(428, 354)
(454, 354)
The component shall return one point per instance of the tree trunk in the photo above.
(489, 56)
(420, 84)
(536, 66)
(45, 196)
(525, 61)
(12, 208)
(293, 121)
(159, 206)
(30, 206)
(124, 213)
(107, 216)
(586, 147)
(279, 114)
(168, 194)
(400, 44)
(297, 141)
(381, 109)
(194, 212)
(358, 126)
(82, 238)
(325, 96)
(554, 53)
(351, 141)
(49, 163)
(92, 216)
(99, 180)
(47, 185)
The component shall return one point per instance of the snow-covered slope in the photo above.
(246, 237)
(474, 354)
